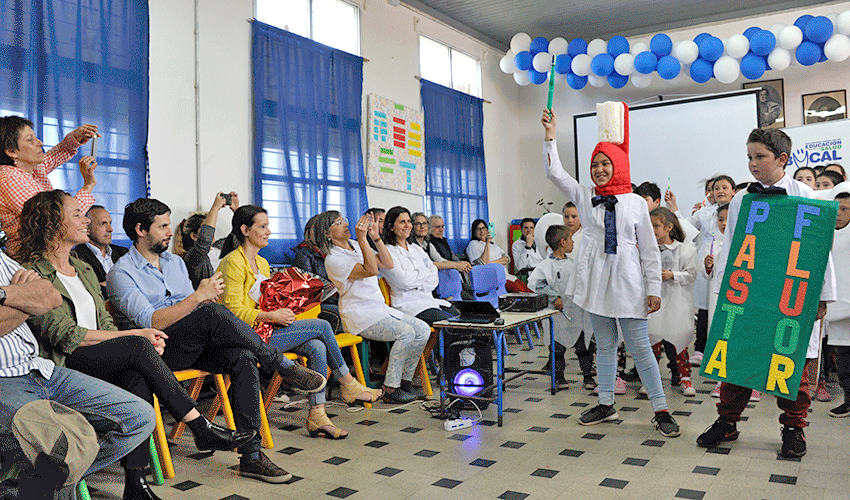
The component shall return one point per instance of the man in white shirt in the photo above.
(524, 250)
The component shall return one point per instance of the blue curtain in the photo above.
(455, 177)
(307, 152)
(69, 62)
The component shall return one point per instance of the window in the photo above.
(334, 23)
(449, 67)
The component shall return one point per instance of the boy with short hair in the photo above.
(768, 151)
(827, 179)
(837, 321)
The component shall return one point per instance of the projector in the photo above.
(522, 302)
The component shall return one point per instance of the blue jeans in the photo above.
(637, 342)
(314, 339)
(121, 420)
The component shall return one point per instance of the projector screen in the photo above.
(680, 142)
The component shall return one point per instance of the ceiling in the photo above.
(494, 22)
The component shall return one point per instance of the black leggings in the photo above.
(132, 363)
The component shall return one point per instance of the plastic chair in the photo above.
(450, 284)
(488, 282)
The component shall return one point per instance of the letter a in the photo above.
(747, 253)
(717, 360)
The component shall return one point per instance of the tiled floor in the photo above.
(541, 452)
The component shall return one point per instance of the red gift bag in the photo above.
(288, 289)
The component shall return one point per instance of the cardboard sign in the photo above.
(769, 298)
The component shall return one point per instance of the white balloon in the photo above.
(779, 59)
(597, 46)
(727, 69)
(542, 62)
(507, 64)
(842, 23)
(776, 28)
(790, 37)
(639, 47)
(520, 42)
(596, 81)
(558, 46)
(837, 48)
(737, 46)
(687, 52)
(832, 17)
(641, 81)
(559, 78)
(675, 45)
(624, 64)
(521, 77)
(581, 65)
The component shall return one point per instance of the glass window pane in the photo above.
(466, 77)
(291, 15)
(434, 62)
(335, 24)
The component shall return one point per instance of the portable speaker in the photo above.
(469, 367)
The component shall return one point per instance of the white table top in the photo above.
(512, 320)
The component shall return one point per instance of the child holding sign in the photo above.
(672, 323)
(617, 273)
(768, 151)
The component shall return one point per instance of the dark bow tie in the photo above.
(756, 187)
(610, 221)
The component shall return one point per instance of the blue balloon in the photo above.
(523, 60)
(562, 64)
(661, 45)
(536, 77)
(701, 70)
(711, 48)
(699, 38)
(669, 67)
(602, 64)
(645, 62)
(802, 21)
(818, 29)
(539, 44)
(763, 42)
(808, 53)
(753, 66)
(618, 45)
(576, 82)
(749, 32)
(617, 81)
(577, 46)
(822, 54)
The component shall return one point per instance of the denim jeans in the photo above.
(314, 339)
(637, 342)
(121, 420)
(409, 336)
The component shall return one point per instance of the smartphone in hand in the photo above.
(94, 147)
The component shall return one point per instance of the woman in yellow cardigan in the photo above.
(243, 270)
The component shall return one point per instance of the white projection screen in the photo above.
(684, 140)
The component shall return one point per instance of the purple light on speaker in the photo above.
(468, 382)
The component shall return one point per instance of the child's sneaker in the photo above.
(840, 411)
(665, 424)
(696, 359)
(754, 396)
(821, 393)
(793, 442)
(642, 390)
(620, 386)
(561, 384)
(688, 388)
(715, 393)
(720, 431)
(598, 414)
(589, 383)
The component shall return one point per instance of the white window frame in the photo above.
(451, 72)
(346, 2)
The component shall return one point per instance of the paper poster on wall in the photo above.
(396, 138)
(818, 144)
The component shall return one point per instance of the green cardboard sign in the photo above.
(769, 298)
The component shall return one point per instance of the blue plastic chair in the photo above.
(450, 284)
(488, 282)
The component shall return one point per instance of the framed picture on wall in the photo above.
(771, 103)
(824, 106)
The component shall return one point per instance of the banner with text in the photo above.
(769, 298)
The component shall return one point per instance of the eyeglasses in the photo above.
(339, 222)
(441, 226)
(420, 224)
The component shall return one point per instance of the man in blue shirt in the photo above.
(151, 287)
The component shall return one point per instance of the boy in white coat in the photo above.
(837, 319)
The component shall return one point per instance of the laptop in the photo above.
(474, 312)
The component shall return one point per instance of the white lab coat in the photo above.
(524, 257)
(705, 221)
(838, 313)
(674, 321)
(412, 279)
(551, 277)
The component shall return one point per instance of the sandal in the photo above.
(351, 393)
(318, 423)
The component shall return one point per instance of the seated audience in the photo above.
(308, 257)
(121, 420)
(440, 251)
(195, 236)
(243, 271)
(378, 215)
(353, 268)
(24, 167)
(524, 250)
(828, 179)
(79, 334)
(152, 288)
(99, 252)
(420, 232)
(482, 250)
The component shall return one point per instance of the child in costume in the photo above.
(672, 323)
(617, 274)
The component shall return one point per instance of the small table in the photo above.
(512, 320)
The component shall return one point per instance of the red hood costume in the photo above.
(613, 118)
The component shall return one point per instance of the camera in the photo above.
(228, 198)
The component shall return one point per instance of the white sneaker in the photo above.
(696, 359)
(715, 393)
(688, 388)
(755, 396)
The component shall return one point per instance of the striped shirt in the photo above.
(19, 348)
